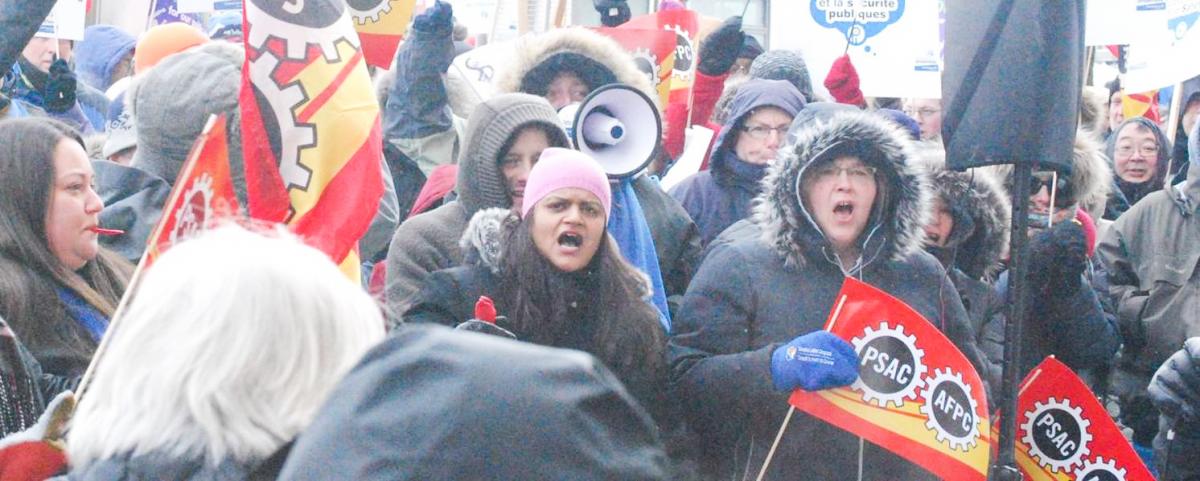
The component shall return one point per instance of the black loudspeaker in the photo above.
(1012, 81)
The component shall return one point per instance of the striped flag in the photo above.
(916, 394)
(310, 124)
(381, 24)
(203, 195)
(1065, 434)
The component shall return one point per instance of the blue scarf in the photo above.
(87, 316)
(627, 224)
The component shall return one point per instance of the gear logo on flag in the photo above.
(647, 63)
(297, 23)
(685, 52)
(1100, 469)
(365, 11)
(196, 210)
(891, 366)
(950, 410)
(1056, 434)
(289, 135)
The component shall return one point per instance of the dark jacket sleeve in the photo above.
(1087, 338)
(1176, 457)
(1123, 286)
(417, 103)
(714, 370)
(438, 302)
(19, 20)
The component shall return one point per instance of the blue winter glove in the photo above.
(438, 18)
(812, 362)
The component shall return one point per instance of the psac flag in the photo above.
(310, 123)
(381, 25)
(685, 25)
(1063, 433)
(202, 196)
(654, 52)
(916, 394)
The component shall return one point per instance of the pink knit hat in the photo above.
(559, 168)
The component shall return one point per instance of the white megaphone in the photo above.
(617, 125)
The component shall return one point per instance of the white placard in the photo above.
(66, 21)
(194, 6)
(480, 66)
(896, 46)
(1169, 53)
(1108, 22)
(695, 145)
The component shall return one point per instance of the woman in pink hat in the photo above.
(556, 276)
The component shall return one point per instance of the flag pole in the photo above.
(778, 437)
(1173, 126)
(135, 279)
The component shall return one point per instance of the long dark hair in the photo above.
(29, 271)
(612, 321)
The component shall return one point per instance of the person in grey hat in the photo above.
(171, 104)
(504, 138)
(784, 65)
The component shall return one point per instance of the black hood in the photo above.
(431, 403)
(897, 226)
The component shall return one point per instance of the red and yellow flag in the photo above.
(1064, 434)
(1143, 104)
(916, 395)
(654, 52)
(381, 25)
(685, 24)
(310, 124)
(202, 196)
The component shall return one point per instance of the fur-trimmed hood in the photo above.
(982, 217)
(531, 51)
(483, 240)
(896, 228)
(1091, 174)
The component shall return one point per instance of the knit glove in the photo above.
(59, 93)
(1175, 388)
(842, 82)
(812, 362)
(436, 19)
(720, 49)
(613, 13)
(1057, 258)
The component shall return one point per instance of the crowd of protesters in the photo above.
(643, 333)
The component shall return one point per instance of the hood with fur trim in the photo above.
(1091, 174)
(564, 46)
(982, 217)
(483, 239)
(896, 228)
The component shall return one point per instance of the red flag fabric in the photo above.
(381, 25)
(1144, 104)
(685, 24)
(310, 123)
(654, 52)
(916, 396)
(1064, 433)
(203, 195)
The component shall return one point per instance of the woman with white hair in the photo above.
(232, 343)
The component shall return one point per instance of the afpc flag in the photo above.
(654, 52)
(916, 394)
(310, 124)
(685, 25)
(1063, 433)
(202, 196)
(381, 25)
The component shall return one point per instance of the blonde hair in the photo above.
(232, 343)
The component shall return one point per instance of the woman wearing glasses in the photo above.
(844, 200)
(748, 143)
(1140, 153)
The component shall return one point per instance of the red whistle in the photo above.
(103, 231)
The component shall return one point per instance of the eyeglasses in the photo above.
(1063, 193)
(857, 173)
(922, 113)
(761, 132)
(1147, 150)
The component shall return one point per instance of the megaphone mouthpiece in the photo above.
(599, 128)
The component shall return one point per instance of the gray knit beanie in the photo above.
(784, 65)
(172, 102)
(481, 184)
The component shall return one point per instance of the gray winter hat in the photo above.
(784, 65)
(480, 182)
(171, 104)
